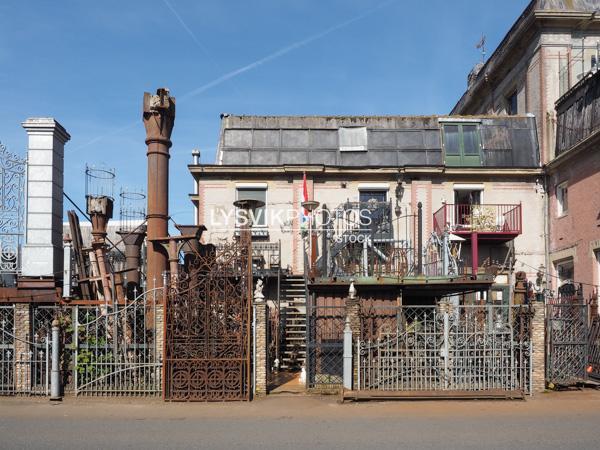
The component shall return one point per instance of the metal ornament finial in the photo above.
(352, 291)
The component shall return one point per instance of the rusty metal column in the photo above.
(159, 118)
(474, 255)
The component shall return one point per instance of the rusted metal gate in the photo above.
(567, 335)
(447, 349)
(208, 320)
(594, 348)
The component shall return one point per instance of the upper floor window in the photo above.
(565, 271)
(462, 144)
(512, 104)
(352, 139)
(562, 199)
(258, 216)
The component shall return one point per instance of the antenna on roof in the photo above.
(481, 45)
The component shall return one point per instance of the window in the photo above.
(465, 197)
(512, 104)
(353, 139)
(258, 215)
(565, 270)
(562, 199)
(377, 196)
(597, 258)
(374, 210)
(462, 144)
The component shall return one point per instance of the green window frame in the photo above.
(462, 144)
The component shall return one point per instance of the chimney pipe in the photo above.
(159, 118)
(133, 241)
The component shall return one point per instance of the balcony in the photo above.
(491, 223)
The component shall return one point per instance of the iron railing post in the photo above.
(55, 382)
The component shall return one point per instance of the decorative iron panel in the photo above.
(24, 364)
(12, 187)
(445, 348)
(567, 334)
(208, 310)
(325, 344)
(114, 348)
(594, 348)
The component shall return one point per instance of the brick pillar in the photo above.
(22, 348)
(538, 343)
(261, 321)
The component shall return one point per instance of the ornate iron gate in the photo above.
(325, 344)
(445, 348)
(594, 348)
(12, 184)
(567, 337)
(208, 311)
(114, 348)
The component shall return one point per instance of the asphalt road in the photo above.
(567, 420)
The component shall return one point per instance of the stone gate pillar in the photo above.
(22, 321)
(43, 250)
(538, 343)
(261, 321)
(353, 316)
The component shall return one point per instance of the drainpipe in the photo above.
(546, 228)
(420, 238)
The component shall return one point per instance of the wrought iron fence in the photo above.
(567, 337)
(325, 344)
(24, 365)
(444, 348)
(594, 348)
(12, 174)
(115, 348)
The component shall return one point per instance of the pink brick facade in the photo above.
(576, 234)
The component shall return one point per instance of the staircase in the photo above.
(293, 316)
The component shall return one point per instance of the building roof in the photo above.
(389, 141)
(567, 5)
(558, 12)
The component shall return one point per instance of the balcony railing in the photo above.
(493, 219)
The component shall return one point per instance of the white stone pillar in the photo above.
(43, 250)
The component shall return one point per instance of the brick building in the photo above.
(574, 187)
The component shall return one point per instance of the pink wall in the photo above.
(579, 229)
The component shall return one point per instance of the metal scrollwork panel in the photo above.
(207, 354)
(12, 186)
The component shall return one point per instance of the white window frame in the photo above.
(561, 189)
(469, 187)
(559, 264)
(258, 187)
(353, 148)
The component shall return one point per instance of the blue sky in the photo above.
(87, 63)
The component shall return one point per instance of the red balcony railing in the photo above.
(501, 220)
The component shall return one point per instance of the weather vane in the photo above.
(481, 45)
